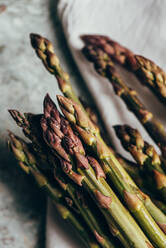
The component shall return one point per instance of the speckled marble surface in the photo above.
(23, 84)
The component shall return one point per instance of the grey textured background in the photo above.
(23, 84)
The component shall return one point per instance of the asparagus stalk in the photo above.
(146, 70)
(35, 136)
(57, 134)
(131, 169)
(45, 51)
(114, 171)
(80, 202)
(28, 163)
(145, 155)
(104, 66)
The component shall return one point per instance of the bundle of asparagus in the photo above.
(91, 185)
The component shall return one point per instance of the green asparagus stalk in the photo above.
(146, 70)
(45, 51)
(34, 135)
(131, 169)
(80, 202)
(145, 155)
(57, 133)
(28, 163)
(104, 66)
(114, 171)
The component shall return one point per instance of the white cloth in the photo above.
(138, 25)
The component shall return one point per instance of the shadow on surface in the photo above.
(27, 200)
(65, 233)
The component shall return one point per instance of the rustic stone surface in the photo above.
(24, 82)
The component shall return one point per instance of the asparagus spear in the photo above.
(105, 67)
(57, 134)
(131, 169)
(80, 202)
(28, 163)
(114, 171)
(146, 70)
(144, 154)
(45, 51)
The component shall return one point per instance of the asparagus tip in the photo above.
(41, 44)
(13, 112)
(86, 38)
(93, 39)
(13, 138)
(50, 108)
(34, 38)
(18, 117)
(66, 103)
(47, 100)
